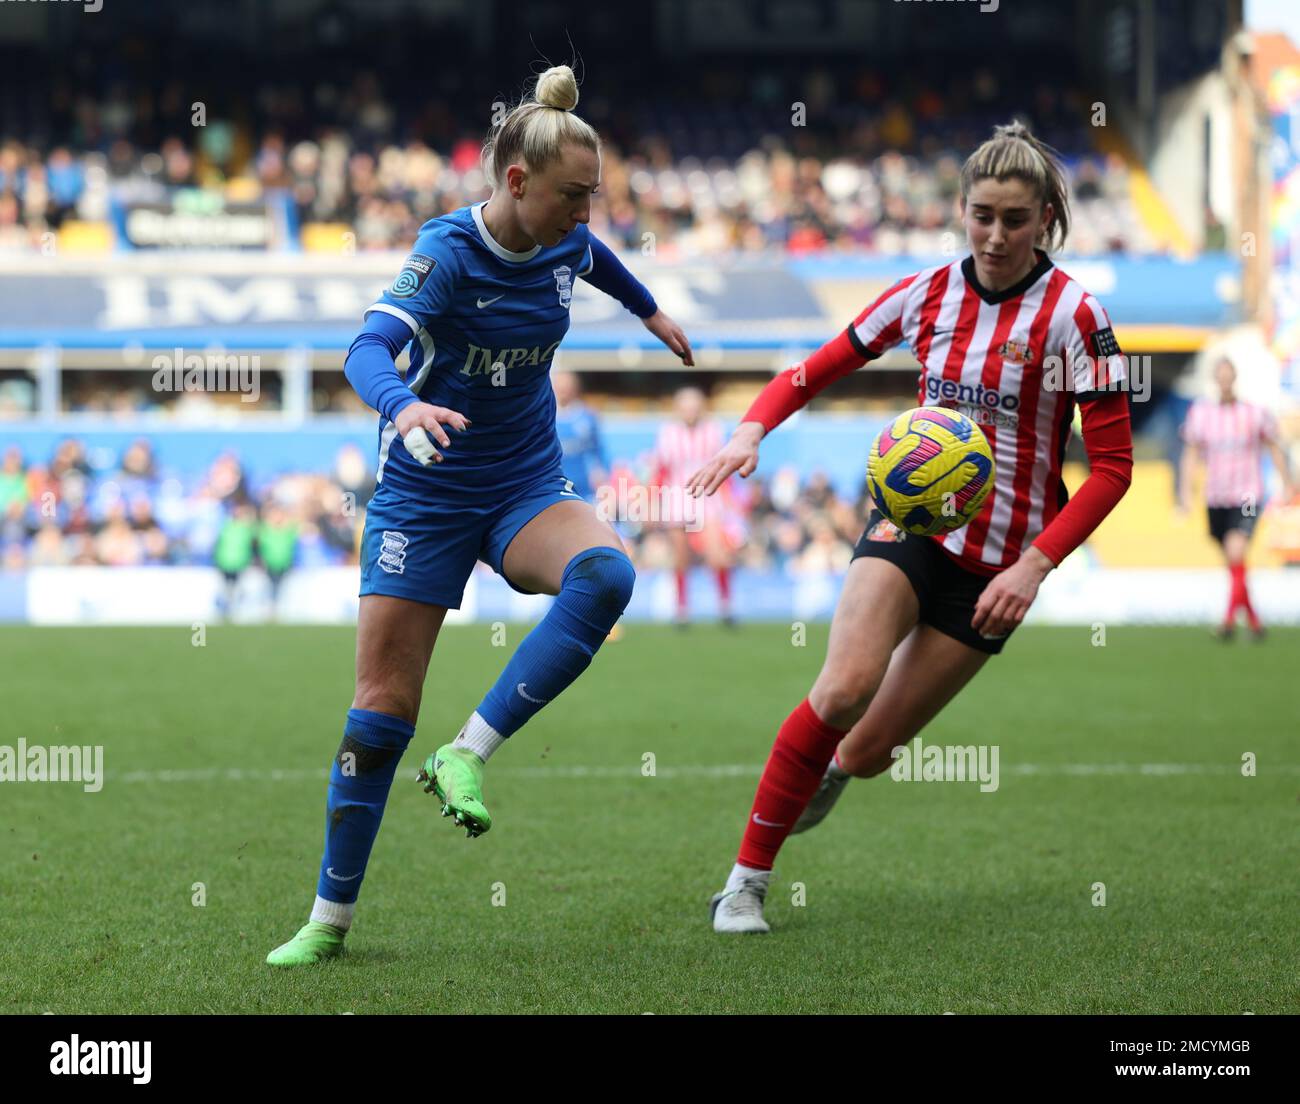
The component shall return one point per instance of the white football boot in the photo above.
(823, 801)
(740, 909)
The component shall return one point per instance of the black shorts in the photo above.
(947, 592)
(1226, 518)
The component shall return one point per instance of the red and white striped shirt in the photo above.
(1230, 435)
(1014, 362)
(680, 451)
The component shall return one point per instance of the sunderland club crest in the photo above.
(886, 530)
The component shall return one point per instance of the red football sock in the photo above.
(1235, 586)
(724, 588)
(681, 592)
(803, 747)
(1242, 595)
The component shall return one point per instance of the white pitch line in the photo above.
(724, 770)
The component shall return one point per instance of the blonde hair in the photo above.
(537, 129)
(1014, 152)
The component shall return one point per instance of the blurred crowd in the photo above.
(801, 525)
(790, 522)
(128, 511)
(747, 174)
(85, 508)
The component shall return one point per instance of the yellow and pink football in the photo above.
(930, 470)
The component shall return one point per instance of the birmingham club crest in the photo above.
(392, 552)
(564, 285)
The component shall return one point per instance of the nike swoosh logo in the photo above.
(488, 302)
(528, 697)
(767, 823)
(340, 878)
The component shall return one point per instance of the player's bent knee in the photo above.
(839, 704)
(841, 698)
(604, 578)
(382, 697)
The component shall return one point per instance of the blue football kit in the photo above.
(483, 324)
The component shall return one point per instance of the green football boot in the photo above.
(313, 943)
(455, 776)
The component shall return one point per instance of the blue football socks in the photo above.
(360, 779)
(594, 591)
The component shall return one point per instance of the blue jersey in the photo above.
(485, 323)
(580, 440)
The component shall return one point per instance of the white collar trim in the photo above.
(494, 245)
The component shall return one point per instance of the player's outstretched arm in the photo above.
(790, 391)
(611, 276)
(671, 334)
(740, 454)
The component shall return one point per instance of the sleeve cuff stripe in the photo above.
(396, 312)
(856, 342)
(591, 262)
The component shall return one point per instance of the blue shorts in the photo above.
(425, 551)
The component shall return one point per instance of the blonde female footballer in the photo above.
(1012, 342)
(470, 469)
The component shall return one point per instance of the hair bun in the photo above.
(557, 88)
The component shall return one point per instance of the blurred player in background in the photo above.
(483, 302)
(585, 461)
(918, 617)
(709, 528)
(277, 545)
(234, 553)
(1226, 435)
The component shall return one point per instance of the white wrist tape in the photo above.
(419, 446)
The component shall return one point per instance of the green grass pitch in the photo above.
(917, 898)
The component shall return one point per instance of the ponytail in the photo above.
(1013, 152)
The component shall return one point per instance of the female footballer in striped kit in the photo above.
(711, 527)
(1010, 340)
(1229, 436)
(470, 469)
